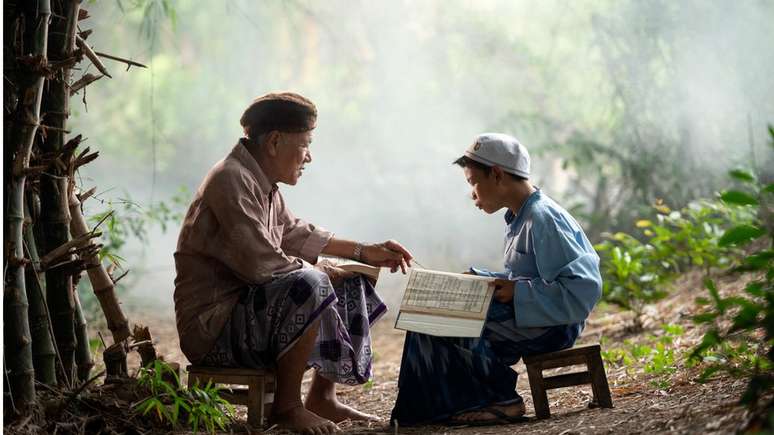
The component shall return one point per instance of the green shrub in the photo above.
(639, 270)
(170, 403)
(740, 335)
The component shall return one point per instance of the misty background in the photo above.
(620, 103)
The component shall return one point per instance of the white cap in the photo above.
(502, 150)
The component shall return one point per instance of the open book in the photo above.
(371, 272)
(445, 304)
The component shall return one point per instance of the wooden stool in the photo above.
(595, 375)
(258, 396)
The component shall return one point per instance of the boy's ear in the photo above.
(498, 173)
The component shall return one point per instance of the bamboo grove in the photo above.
(48, 245)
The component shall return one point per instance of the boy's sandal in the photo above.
(498, 419)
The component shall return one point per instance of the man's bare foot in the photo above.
(336, 411)
(493, 414)
(300, 420)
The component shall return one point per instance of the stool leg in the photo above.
(191, 380)
(599, 381)
(268, 396)
(539, 395)
(255, 401)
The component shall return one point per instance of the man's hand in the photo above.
(503, 290)
(335, 274)
(388, 254)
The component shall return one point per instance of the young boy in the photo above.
(541, 301)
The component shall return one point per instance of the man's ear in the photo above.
(271, 143)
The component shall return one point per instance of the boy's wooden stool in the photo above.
(258, 396)
(595, 375)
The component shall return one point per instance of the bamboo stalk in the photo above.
(54, 186)
(43, 353)
(83, 358)
(101, 282)
(115, 363)
(18, 341)
(144, 343)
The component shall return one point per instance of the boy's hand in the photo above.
(503, 290)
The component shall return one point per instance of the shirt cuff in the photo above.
(314, 244)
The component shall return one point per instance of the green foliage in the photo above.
(654, 356)
(740, 335)
(638, 270)
(170, 403)
(631, 277)
(124, 218)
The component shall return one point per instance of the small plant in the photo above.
(171, 403)
(655, 356)
(631, 277)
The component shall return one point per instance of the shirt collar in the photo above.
(244, 157)
(510, 216)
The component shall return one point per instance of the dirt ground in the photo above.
(685, 406)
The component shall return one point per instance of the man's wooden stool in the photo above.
(258, 396)
(595, 375)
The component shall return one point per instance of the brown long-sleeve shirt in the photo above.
(237, 231)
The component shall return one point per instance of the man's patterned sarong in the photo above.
(269, 319)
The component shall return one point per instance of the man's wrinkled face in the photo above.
(482, 189)
(292, 156)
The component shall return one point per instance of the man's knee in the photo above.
(312, 283)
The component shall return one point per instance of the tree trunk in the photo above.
(100, 279)
(54, 186)
(43, 353)
(18, 344)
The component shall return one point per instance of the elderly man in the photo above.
(246, 293)
(550, 284)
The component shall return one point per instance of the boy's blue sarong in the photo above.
(443, 376)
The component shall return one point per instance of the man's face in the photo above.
(483, 188)
(292, 156)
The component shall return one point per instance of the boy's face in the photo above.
(483, 189)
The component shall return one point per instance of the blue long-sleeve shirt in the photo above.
(553, 263)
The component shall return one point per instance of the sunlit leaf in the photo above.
(642, 223)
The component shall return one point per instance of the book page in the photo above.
(447, 293)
